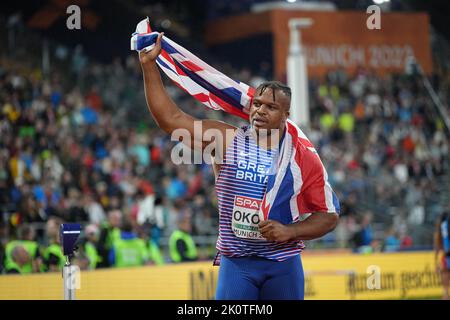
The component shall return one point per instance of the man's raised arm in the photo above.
(166, 113)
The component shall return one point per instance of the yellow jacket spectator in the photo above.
(109, 233)
(327, 121)
(53, 256)
(26, 240)
(154, 252)
(346, 122)
(129, 250)
(90, 245)
(181, 245)
(19, 258)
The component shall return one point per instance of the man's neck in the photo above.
(270, 140)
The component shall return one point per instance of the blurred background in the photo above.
(77, 143)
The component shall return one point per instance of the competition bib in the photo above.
(245, 218)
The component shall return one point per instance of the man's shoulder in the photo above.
(307, 153)
(308, 160)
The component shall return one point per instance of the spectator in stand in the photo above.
(53, 256)
(19, 258)
(391, 240)
(109, 232)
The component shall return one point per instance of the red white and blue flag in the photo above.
(301, 184)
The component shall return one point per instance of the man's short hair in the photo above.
(275, 86)
(18, 252)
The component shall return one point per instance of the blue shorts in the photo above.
(255, 278)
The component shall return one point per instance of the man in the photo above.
(109, 232)
(90, 245)
(53, 255)
(19, 259)
(442, 247)
(155, 255)
(26, 239)
(128, 250)
(181, 245)
(363, 238)
(257, 261)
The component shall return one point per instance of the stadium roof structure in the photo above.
(107, 25)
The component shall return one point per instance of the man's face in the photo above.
(23, 257)
(115, 218)
(269, 113)
(92, 236)
(186, 225)
(52, 228)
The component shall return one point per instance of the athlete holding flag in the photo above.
(263, 219)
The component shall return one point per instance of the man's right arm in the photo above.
(166, 113)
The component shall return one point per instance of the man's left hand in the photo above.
(275, 231)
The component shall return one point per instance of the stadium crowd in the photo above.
(87, 151)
